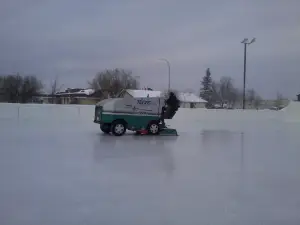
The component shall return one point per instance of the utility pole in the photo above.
(245, 42)
(169, 73)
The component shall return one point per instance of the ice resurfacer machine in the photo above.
(143, 115)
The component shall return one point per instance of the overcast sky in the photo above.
(74, 39)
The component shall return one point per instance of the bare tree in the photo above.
(20, 88)
(250, 97)
(227, 91)
(215, 87)
(233, 96)
(30, 87)
(257, 101)
(114, 81)
(224, 92)
(55, 87)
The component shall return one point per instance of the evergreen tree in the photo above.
(206, 89)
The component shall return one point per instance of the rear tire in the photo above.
(105, 127)
(153, 128)
(118, 128)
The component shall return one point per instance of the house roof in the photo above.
(80, 92)
(144, 93)
(190, 97)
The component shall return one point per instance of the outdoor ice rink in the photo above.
(226, 168)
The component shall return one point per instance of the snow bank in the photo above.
(292, 112)
(86, 112)
(224, 114)
(186, 120)
(45, 111)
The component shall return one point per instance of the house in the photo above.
(190, 100)
(77, 96)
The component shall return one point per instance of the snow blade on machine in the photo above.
(168, 132)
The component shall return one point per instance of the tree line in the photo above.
(114, 81)
(224, 92)
(17, 88)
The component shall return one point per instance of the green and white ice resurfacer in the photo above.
(116, 115)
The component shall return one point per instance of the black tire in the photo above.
(153, 128)
(105, 127)
(118, 127)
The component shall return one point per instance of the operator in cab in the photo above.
(171, 106)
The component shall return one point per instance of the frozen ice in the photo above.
(226, 167)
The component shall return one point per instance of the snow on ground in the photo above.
(292, 112)
(226, 167)
(86, 112)
(185, 120)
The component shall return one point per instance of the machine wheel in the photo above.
(153, 127)
(105, 127)
(118, 128)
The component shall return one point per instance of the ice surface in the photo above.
(226, 167)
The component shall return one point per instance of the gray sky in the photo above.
(75, 39)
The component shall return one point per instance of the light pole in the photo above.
(169, 72)
(245, 42)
